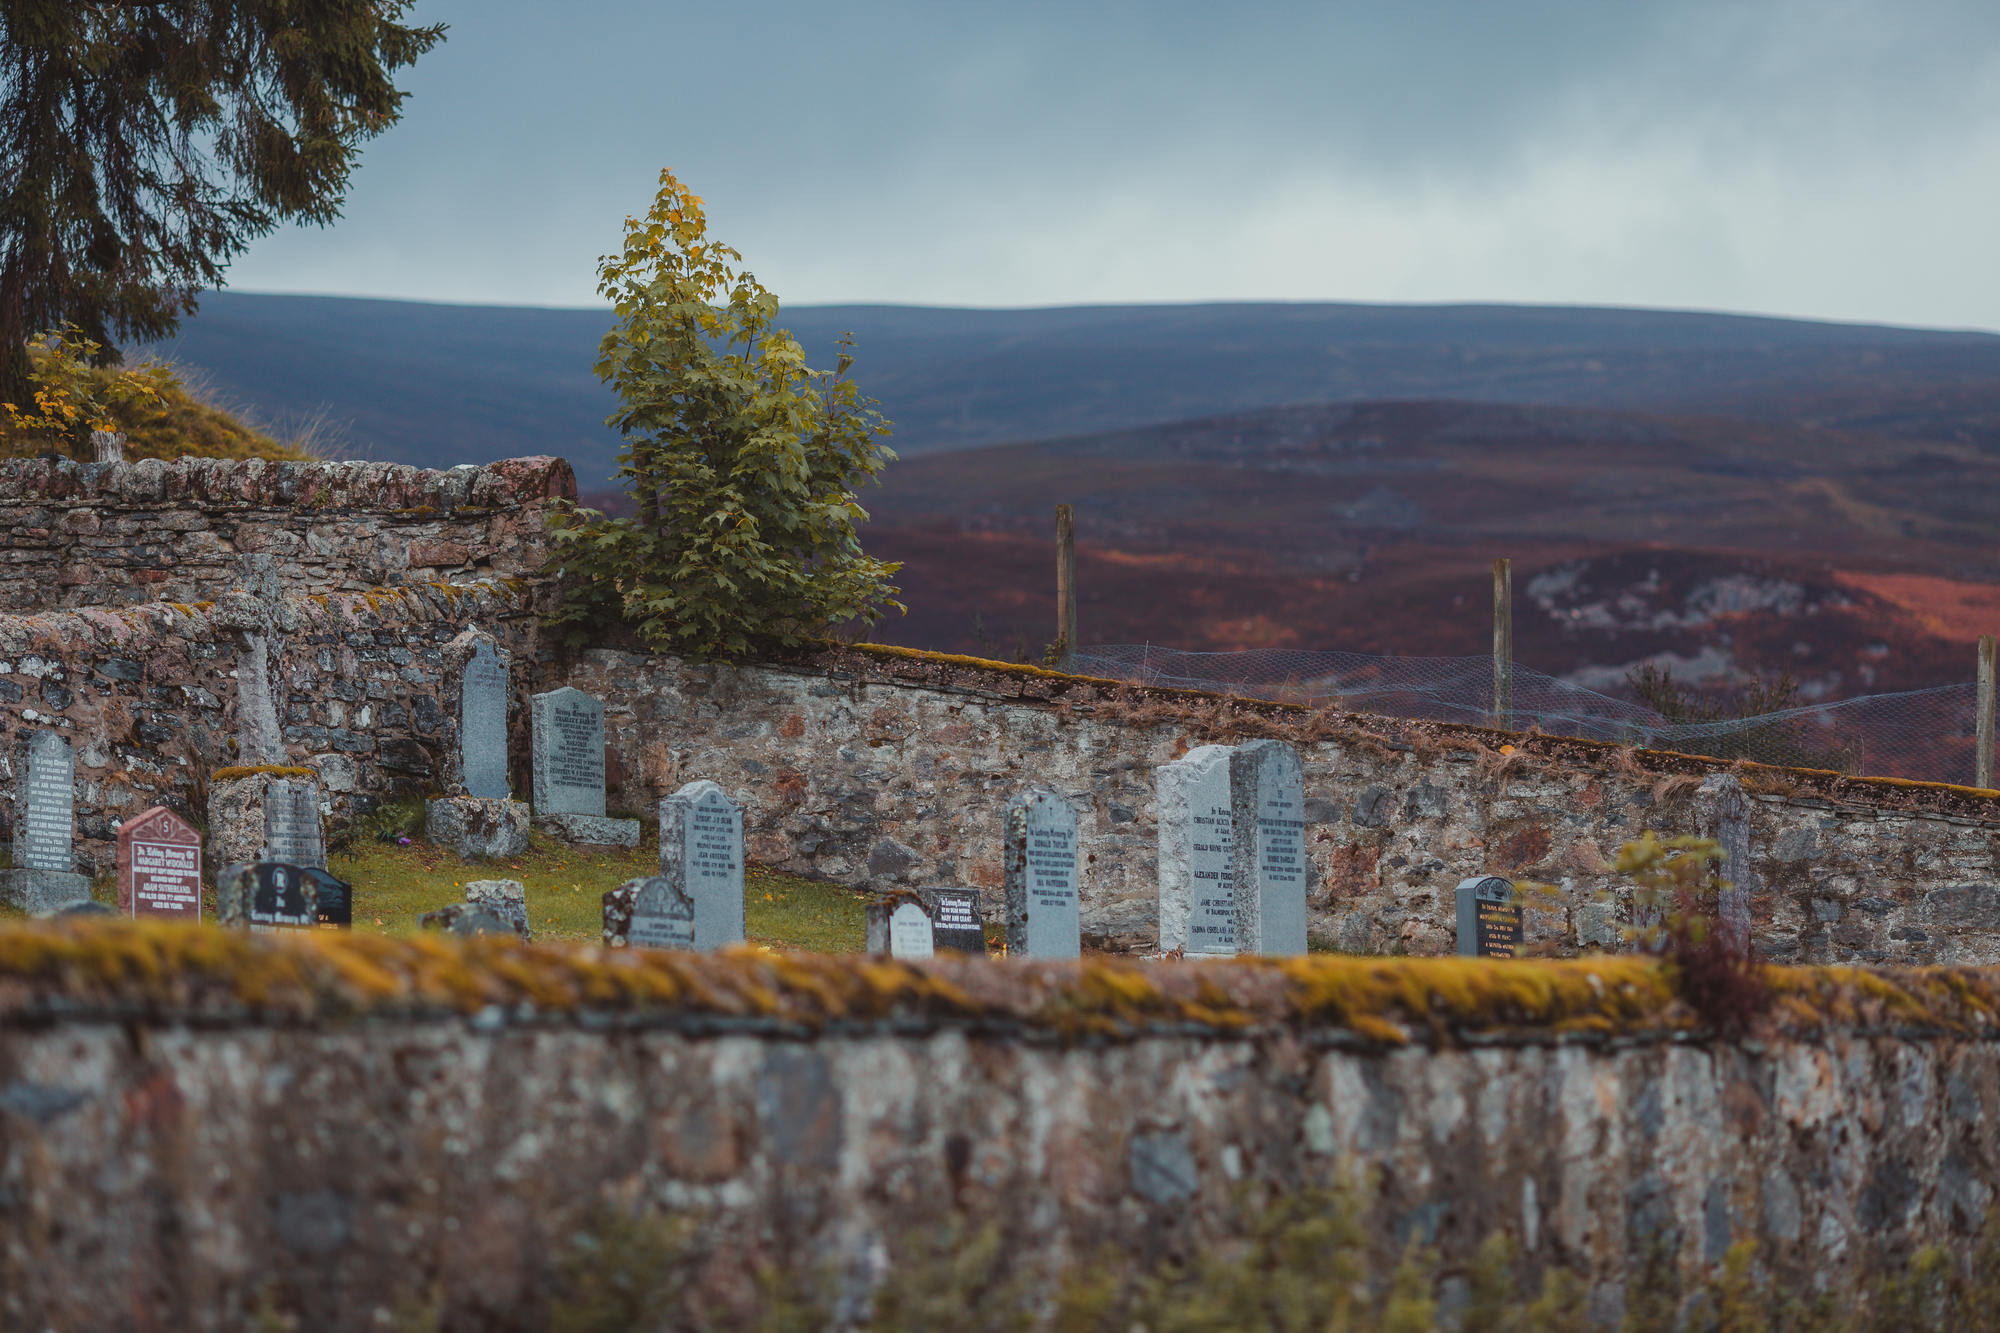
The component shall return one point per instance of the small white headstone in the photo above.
(910, 932)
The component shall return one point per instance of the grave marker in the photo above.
(333, 899)
(1197, 893)
(1724, 813)
(291, 824)
(912, 934)
(568, 728)
(482, 724)
(1038, 849)
(43, 877)
(1489, 918)
(701, 855)
(960, 928)
(281, 897)
(159, 866)
(663, 917)
(1268, 854)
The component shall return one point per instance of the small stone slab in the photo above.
(663, 917)
(589, 830)
(1197, 881)
(568, 728)
(1038, 854)
(44, 804)
(466, 920)
(960, 928)
(1489, 918)
(505, 898)
(1268, 853)
(482, 722)
(473, 828)
(701, 854)
(159, 866)
(292, 833)
(42, 892)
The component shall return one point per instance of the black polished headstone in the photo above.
(281, 897)
(958, 925)
(1489, 918)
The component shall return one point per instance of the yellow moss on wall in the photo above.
(252, 770)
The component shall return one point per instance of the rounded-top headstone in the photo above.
(701, 854)
(911, 932)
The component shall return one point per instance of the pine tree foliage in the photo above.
(143, 145)
(741, 459)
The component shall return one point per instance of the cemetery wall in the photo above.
(893, 768)
(154, 699)
(348, 1132)
(77, 534)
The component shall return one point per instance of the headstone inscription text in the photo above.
(1489, 918)
(482, 724)
(291, 824)
(701, 854)
(159, 866)
(1197, 883)
(568, 727)
(45, 806)
(958, 925)
(662, 916)
(1040, 870)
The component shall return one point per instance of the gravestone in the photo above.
(505, 898)
(466, 920)
(1489, 918)
(291, 824)
(959, 926)
(478, 820)
(333, 899)
(912, 933)
(43, 878)
(1197, 893)
(1268, 854)
(1723, 812)
(482, 723)
(159, 866)
(663, 917)
(701, 855)
(266, 896)
(568, 763)
(1038, 852)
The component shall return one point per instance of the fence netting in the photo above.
(1925, 734)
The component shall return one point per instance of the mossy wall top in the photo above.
(75, 534)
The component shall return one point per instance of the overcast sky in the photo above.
(1819, 158)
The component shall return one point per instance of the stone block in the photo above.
(506, 898)
(466, 920)
(43, 892)
(474, 829)
(590, 830)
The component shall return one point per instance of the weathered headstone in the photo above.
(663, 917)
(482, 723)
(960, 928)
(505, 898)
(266, 896)
(43, 878)
(1489, 918)
(292, 833)
(701, 854)
(1268, 854)
(1197, 894)
(477, 819)
(912, 933)
(1038, 855)
(568, 762)
(159, 866)
(466, 920)
(1723, 812)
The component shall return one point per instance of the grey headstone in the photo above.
(1489, 918)
(505, 898)
(44, 805)
(1724, 814)
(911, 932)
(1039, 858)
(568, 728)
(662, 916)
(701, 854)
(291, 823)
(1268, 856)
(482, 723)
(1197, 898)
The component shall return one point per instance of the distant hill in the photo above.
(440, 384)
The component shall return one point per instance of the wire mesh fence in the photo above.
(1924, 734)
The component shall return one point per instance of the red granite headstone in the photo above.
(159, 866)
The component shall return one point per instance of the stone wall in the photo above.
(172, 1160)
(74, 534)
(867, 766)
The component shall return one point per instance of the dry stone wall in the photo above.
(109, 534)
(895, 770)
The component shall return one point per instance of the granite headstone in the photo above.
(701, 854)
(45, 805)
(1268, 855)
(159, 866)
(959, 927)
(291, 824)
(663, 917)
(1197, 897)
(1489, 918)
(333, 899)
(482, 724)
(281, 897)
(1038, 855)
(568, 728)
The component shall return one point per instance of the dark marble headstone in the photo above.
(1489, 918)
(662, 916)
(281, 897)
(159, 866)
(333, 899)
(701, 854)
(291, 823)
(568, 759)
(1268, 854)
(1197, 884)
(1038, 858)
(959, 927)
(44, 805)
(482, 723)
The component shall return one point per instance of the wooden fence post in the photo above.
(1503, 643)
(1065, 583)
(1983, 730)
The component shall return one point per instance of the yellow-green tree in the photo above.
(742, 460)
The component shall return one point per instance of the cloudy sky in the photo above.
(1818, 158)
